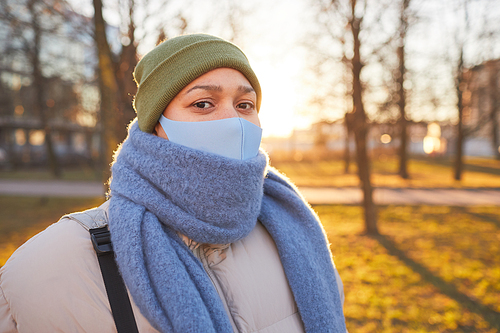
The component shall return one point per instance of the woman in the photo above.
(207, 236)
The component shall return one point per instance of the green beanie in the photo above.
(169, 67)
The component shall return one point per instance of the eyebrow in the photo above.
(205, 87)
(244, 89)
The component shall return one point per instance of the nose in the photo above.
(228, 111)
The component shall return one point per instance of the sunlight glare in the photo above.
(280, 97)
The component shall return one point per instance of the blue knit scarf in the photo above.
(160, 188)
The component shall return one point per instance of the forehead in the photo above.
(223, 77)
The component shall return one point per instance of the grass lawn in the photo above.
(424, 173)
(83, 174)
(23, 217)
(435, 269)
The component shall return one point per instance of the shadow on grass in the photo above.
(483, 169)
(491, 316)
(487, 218)
(467, 166)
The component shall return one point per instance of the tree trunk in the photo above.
(494, 133)
(39, 89)
(403, 157)
(360, 128)
(403, 168)
(494, 90)
(347, 152)
(110, 120)
(459, 86)
(126, 85)
(12, 158)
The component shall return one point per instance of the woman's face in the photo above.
(219, 94)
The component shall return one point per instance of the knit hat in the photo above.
(169, 67)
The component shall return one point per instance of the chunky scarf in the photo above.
(160, 189)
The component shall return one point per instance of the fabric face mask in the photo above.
(231, 137)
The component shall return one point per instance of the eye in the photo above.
(203, 105)
(245, 106)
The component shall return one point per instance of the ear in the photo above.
(158, 131)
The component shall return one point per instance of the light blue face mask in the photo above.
(231, 137)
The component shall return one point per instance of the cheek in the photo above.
(174, 111)
(254, 119)
(178, 113)
(160, 132)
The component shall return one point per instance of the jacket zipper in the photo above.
(215, 283)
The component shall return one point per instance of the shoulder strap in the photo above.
(115, 288)
(95, 220)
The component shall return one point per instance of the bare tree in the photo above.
(347, 148)
(359, 124)
(115, 72)
(29, 23)
(39, 83)
(403, 28)
(342, 23)
(463, 93)
(494, 91)
(108, 90)
(489, 34)
(117, 87)
(126, 62)
(474, 31)
(460, 87)
(235, 13)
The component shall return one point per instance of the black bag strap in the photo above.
(115, 287)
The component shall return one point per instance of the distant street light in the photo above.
(385, 138)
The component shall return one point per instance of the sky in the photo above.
(269, 38)
(273, 35)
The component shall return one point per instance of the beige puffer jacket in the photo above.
(53, 283)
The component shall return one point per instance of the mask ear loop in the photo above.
(163, 123)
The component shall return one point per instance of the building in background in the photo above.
(481, 99)
(482, 114)
(327, 139)
(67, 60)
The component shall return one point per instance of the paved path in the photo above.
(59, 188)
(405, 196)
(454, 197)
